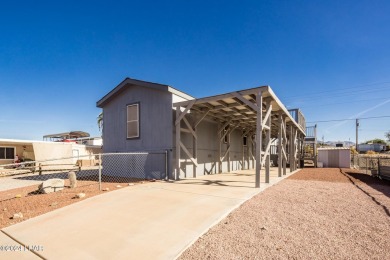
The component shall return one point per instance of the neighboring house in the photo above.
(371, 147)
(42, 151)
(217, 133)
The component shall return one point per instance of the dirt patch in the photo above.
(314, 214)
(31, 203)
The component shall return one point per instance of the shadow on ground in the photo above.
(375, 183)
(381, 186)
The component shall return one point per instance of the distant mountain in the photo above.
(333, 143)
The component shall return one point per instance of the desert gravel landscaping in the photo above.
(314, 214)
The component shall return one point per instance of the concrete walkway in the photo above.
(151, 221)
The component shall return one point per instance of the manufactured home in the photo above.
(221, 133)
(44, 151)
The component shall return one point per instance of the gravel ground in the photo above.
(314, 214)
(31, 203)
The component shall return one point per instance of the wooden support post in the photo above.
(177, 170)
(259, 131)
(295, 142)
(194, 150)
(250, 153)
(280, 142)
(284, 146)
(291, 148)
(268, 142)
(243, 153)
(300, 155)
(228, 155)
(219, 151)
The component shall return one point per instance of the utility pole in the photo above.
(357, 134)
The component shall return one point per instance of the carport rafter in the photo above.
(256, 112)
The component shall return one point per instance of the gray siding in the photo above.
(155, 121)
(208, 151)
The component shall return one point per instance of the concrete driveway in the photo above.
(151, 221)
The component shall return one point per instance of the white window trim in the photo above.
(127, 122)
(14, 152)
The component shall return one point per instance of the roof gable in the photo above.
(127, 83)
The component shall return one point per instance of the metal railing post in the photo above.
(100, 171)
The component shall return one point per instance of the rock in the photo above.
(106, 189)
(118, 186)
(18, 195)
(263, 228)
(18, 215)
(72, 179)
(131, 184)
(80, 195)
(5, 209)
(51, 185)
(152, 180)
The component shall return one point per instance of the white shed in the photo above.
(334, 157)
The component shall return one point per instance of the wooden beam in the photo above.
(259, 130)
(284, 145)
(225, 125)
(185, 130)
(226, 152)
(266, 127)
(177, 141)
(280, 142)
(229, 105)
(194, 151)
(267, 115)
(182, 114)
(291, 147)
(190, 128)
(284, 153)
(267, 120)
(246, 132)
(200, 120)
(219, 152)
(245, 101)
(190, 156)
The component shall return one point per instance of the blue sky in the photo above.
(331, 58)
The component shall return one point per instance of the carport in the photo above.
(261, 117)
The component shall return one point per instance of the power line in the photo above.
(339, 91)
(338, 103)
(348, 119)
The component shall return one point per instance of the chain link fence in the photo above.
(43, 177)
(37, 186)
(375, 165)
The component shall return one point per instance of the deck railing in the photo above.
(311, 131)
(298, 117)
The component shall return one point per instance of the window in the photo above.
(226, 138)
(133, 121)
(244, 140)
(7, 153)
